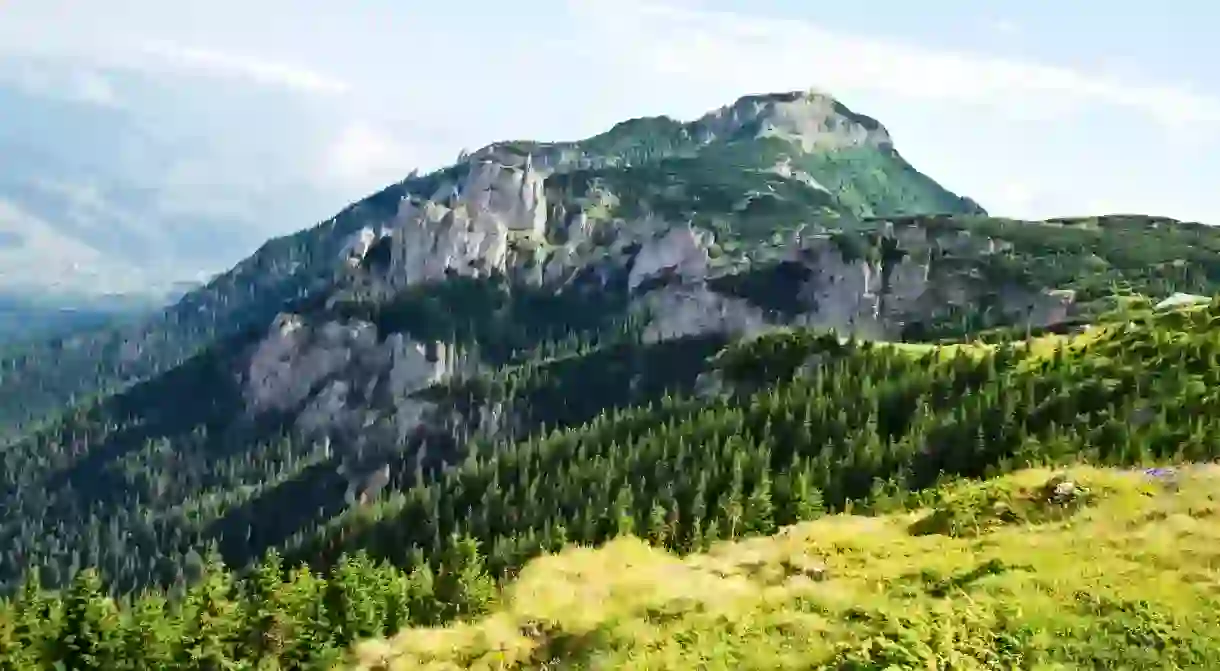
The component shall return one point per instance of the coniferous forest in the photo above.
(806, 425)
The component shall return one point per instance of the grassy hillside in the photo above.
(992, 575)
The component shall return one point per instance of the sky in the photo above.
(1033, 108)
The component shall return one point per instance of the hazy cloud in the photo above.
(249, 67)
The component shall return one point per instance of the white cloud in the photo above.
(748, 52)
(1005, 27)
(81, 84)
(364, 155)
(248, 67)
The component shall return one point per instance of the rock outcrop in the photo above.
(814, 120)
(681, 251)
(465, 228)
(345, 382)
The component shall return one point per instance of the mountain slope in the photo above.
(529, 288)
(778, 430)
(1111, 576)
(802, 422)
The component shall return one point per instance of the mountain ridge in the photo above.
(285, 269)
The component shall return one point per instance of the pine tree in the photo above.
(212, 620)
(463, 585)
(759, 513)
(34, 624)
(14, 654)
(149, 635)
(731, 507)
(623, 512)
(268, 627)
(91, 637)
(303, 601)
(421, 592)
(354, 605)
(658, 527)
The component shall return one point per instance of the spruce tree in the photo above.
(91, 636)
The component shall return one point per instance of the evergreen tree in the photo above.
(91, 637)
(758, 513)
(463, 586)
(150, 634)
(212, 620)
(623, 512)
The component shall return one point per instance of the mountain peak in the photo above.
(811, 118)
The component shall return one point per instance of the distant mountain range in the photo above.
(25, 319)
(113, 185)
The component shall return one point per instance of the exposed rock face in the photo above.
(464, 228)
(682, 250)
(514, 196)
(812, 119)
(343, 381)
(295, 357)
(865, 297)
(358, 246)
(677, 311)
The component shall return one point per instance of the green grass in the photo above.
(1119, 576)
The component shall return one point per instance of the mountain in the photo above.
(25, 318)
(751, 179)
(753, 171)
(697, 330)
(112, 181)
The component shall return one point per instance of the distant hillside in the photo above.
(753, 173)
(27, 319)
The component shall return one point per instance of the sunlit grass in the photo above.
(1125, 578)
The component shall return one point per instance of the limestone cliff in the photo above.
(743, 220)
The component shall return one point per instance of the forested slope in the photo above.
(786, 428)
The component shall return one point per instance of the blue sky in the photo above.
(1033, 108)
